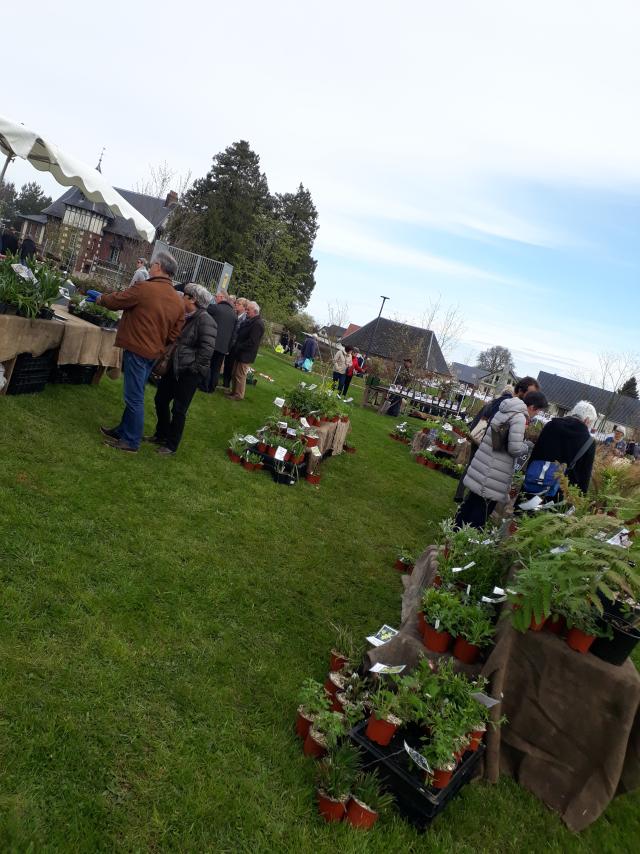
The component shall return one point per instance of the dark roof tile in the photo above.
(394, 340)
(566, 393)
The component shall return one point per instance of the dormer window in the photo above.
(84, 220)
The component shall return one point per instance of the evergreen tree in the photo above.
(630, 388)
(31, 199)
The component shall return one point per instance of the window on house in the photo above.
(114, 253)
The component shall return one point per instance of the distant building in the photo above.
(470, 375)
(352, 327)
(394, 341)
(83, 234)
(333, 332)
(612, 408)
(492, 384)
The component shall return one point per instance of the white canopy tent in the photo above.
(16, 140)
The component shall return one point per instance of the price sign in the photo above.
(280, 453)
(279, 401)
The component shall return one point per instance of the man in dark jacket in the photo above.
(153, 317)
(224, 314)
(9, 242)
(563, 439)
(188, 368)
(28, 249)
(246, 349)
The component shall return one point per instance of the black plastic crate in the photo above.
(73, 374)
(418, 803)
(31, 373)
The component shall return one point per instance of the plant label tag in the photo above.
(469, 565)
(532, 503)
(418, 758)
(349, 400)
(315, 451)
(498, 591)
(384, 634)
(279, 401)
(487, 600)
(379, 667)
(24, 272)
(291, 431)
(303, 384)
(484, 699)
(468, 589)
(437, 624)
(457, 568)
(311, 387)
(251, 440)
(559, 550)
(280, 453)
(282, 425)
(304, 422)
(486, 542)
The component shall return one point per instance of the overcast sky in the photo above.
(485, 151)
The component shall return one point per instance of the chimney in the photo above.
(171, 200)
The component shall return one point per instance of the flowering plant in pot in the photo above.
(405, 561)
(384, 719)
(335, 777)
(475, 631)
(441, 609)
(324, 734)
(312, 701)
(368, 800)
(237, 447)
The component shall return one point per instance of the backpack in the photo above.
(541, 477)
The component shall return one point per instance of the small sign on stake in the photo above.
(418, 758)
(279, 401)
(315, 451)
(291, 431)
(304, 422)
(280, 453)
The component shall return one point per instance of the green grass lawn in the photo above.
(158, 616)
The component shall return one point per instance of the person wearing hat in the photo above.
(617, 443)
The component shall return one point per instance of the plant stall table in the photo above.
(332, 436)
(573, 731)
(77, 342)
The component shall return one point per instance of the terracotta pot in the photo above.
(466, 652)
(249, 466)
(297, 460)
(262, 448)
(437, 581)
(475, 739)
(344, 418)
(287, 457)
(430, 464)
(312, 747)
(350, 449)
(458, 755)
(440, 778)
(421, 623)
(380, 730)
(337, 661)
(334, 420)
(329, 809)
(359, 814)
(323, 419)
(579, 641)
(311, 441)
(285, 410)
(535, 626)
(302, 724)
(436, 641)
(313, 478)
(233, 457)
(556, 627)
(336, 704)
(401, 566)
(271, 451)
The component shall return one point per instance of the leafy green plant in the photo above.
(442, 605)
(368, 789)
(405, 556)
(387, 704)
(336, 773)
(475, 625)
(331, 727)
(345, 643)
(254, 458)
(313, 698)
(237, 444)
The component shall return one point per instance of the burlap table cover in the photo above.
(79, 342)
(573, 731)
(332, 436)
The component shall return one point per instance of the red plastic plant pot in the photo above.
(359, 814)
(336, 704)
(271, 451)
(436, 641)
(330, 809)
(579, 641)
(344, 418)
(302, 724)
(334, 420)
(313, 478)
(248, 465)
(311, 441)
(430, 464)
(401, 566)
(535, 626)
(380, 730)
(233, 457)
(475, 739)
(437, 581)
(297, 460)
(313, 747)
(441, 778)
(421, 623)
(556, 627)
(466, 652)
(337, 661)
(262, 448)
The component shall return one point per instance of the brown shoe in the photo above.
(235, 397)
(120, 446)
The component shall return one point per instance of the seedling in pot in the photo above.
(368, 801)
(345, 649)
(335, 776)
(313, 701)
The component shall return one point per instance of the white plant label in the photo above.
(291, 432)
(251, 440)
(468, 589)
(418, 758)
(498, 591)
(532, 503)
(303, 384)
(469, 565)
(280, 453)
(279, 401)
(484, 699)
(378, 667)
(311, 387)
(457, 568)
(383, 635)
(349, 400)
(559, 550)
(282, 425)
(437, 624)
(304, 422)
(315, 451)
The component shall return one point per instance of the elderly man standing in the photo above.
(223, 312)
(141, 274)
(153, 318)
(250, 335)
(240, 307)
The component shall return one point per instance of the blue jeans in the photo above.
(136, 373)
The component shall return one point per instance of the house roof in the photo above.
(41, 218)
(334, 331)
(152, 208)
(469, 374)
(352, 327)
(393, 340)
(566, 393)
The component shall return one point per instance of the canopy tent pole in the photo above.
(4, 168)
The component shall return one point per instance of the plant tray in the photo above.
(31, 373)
(73, 374)
(418, 803)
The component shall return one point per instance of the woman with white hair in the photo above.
(567, 441)
(189, 368)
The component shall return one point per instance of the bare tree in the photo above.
(162, 178)
(446, 321)
(337, 314)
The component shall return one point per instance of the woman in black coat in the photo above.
(189, 367)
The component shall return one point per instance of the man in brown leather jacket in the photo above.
(153, 318)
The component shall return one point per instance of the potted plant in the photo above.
(324, 733)
(236, 449)
(313, 700)
(583, 624)
(405, 561)
(431, 461)
(441, 610)
(345, 650)
(297, 452)
(475, 631)
(384, 720)
(445, 440)
(252, 461)
(368, 800)
(335, 776)
(438, 751)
